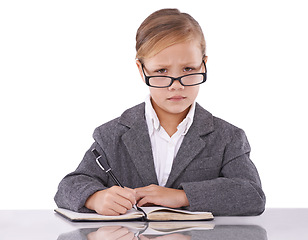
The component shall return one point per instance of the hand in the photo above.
(112, 233)
(157, 195)
(112, 201)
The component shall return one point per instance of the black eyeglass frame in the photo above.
(147, 78)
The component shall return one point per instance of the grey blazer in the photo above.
(212, 165)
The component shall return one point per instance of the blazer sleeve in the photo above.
(76, 187)
(237, 191)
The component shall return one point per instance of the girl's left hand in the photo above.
(162, 196)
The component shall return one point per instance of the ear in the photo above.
(205, 59)
(139, 66)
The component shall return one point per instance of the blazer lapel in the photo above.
(192, 143)
(138, 144)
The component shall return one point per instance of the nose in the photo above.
(176, 85)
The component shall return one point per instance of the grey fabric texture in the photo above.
(212, 166)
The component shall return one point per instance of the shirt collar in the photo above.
(187, 122)
(153, 121)
(151, 116)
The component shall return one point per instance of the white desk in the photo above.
(273, 224)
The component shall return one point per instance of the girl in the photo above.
(168, 151)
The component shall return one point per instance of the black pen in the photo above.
(107, 169)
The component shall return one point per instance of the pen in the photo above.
(107, 169)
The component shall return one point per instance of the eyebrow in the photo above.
(182, 64)
(162, 66)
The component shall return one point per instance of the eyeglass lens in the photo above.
(166, 81)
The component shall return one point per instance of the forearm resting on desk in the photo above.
(117, 200)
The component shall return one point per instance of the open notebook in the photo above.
(150, 214)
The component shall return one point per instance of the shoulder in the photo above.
(225, 126)
(220, 134)
(120, 124)
(219, 126)
(230, 132)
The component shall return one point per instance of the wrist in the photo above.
(90, 202)
(184, 199)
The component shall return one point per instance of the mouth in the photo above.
(176, 98)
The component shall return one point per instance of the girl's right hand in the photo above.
(112, 201)
(112, 233)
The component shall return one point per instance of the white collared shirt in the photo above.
(164, 147)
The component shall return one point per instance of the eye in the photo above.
(188, 69)
(163, 70)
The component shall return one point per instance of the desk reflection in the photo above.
(167, 231)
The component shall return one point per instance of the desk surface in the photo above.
(45, 224)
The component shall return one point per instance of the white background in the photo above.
(68, 66)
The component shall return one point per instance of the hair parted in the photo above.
(165, 28)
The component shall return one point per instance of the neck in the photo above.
(169, 121)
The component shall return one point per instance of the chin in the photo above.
(177, 110)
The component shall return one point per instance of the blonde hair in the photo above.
(165, 28)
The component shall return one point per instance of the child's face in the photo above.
(175, 61)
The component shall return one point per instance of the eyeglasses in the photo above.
(166, 81)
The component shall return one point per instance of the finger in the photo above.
(123, 231)
(128, 236)
(114, 203)
(131, 195)
(143, 192)
(140, 195)
(127, 193)
(120, 207)
(109, 211)
(124, 202)
(108, 229)
(144, 201)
